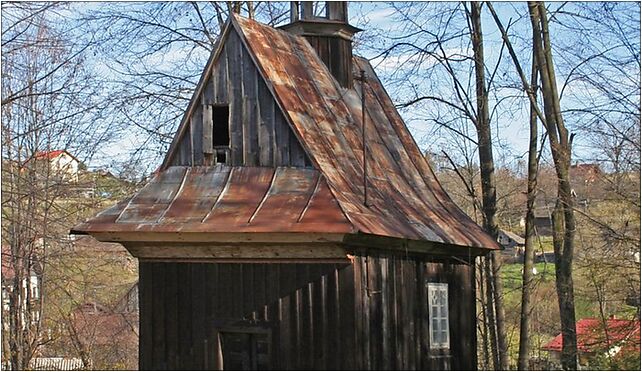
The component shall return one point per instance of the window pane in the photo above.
(437, 295)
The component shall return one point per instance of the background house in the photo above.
(611, 341)
(30, 283)
(61, 162)
(513, 245)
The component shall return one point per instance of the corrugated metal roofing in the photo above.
(405, 200)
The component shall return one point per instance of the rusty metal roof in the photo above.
(405, 200)
(227, 199)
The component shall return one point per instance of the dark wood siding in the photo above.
(392, 313)
(370, 315)
(307, 308)
(259, 133)
(336, 54)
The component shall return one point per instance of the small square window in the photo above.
(438, 315)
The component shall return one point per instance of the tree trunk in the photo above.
(529, 249)
(490, 313)
(487, 170)
(563, 216)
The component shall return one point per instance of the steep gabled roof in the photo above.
(405, 200)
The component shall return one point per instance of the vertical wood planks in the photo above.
(266, 115)
(183, 277)
(332, 339)
(259, 133)
(297, 156)
(221, 86)
(199, 316)
(250, 123)
(184, 150)
(234, 57)
(171, 317)
(146, 307)
(347, 317)
(282, 139)
(208, 127)
(158, 318)
(386, 323)
(320, 315)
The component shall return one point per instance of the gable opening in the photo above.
(221, 122)
(221, 133)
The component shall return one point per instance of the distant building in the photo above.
(56, 364)
(585, 173)
(621, 337)
(510, 240)
(513, 245)
(543, 221)
(62, 163)
(30, 283)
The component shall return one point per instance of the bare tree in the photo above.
(452, 52)
(487, 174)
(529, 248)
(560, 144)
(153, 56)
(48, 103)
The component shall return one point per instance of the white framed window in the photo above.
(438, 315)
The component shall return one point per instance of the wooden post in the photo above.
(294, 11)
(207, 129)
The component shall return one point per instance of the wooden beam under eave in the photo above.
(250, 253)
(361, 242)
(209, 237)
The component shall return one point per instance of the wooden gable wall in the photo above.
(259, 132)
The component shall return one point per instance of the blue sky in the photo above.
(510, 127)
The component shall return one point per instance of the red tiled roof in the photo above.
(49, 154)
(591, 336)
(96, 324)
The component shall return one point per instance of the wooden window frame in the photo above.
(433, 289)
(216, 152)
(252, 330)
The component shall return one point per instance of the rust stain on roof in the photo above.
(405, 200)
(227, 199)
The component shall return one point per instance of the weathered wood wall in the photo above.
(309, 309)
(392, 323)
(336, 53)
(368, 315)
(259, 133)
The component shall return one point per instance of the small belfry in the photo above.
(256, 248)
(324, 24)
